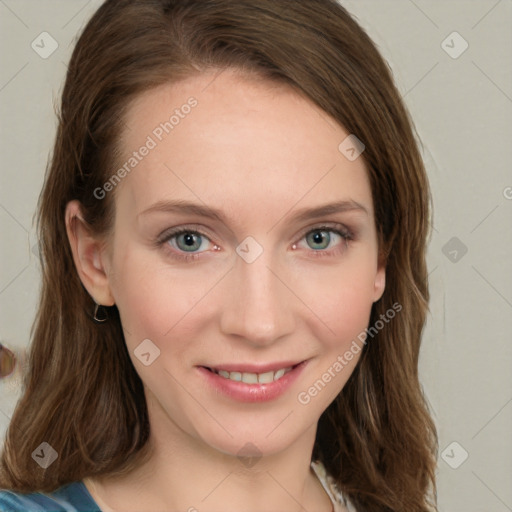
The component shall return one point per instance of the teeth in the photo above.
(265, 378)
(279, 373)
(253, 378)
(250, 378)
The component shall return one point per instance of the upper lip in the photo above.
(252, 367)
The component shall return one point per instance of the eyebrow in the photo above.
(303, 214)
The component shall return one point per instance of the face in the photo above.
(243, 259)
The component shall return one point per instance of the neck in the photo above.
(184, 473)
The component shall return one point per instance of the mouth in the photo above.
(251, 377)
(252, 382)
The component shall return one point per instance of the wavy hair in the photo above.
(81, 393)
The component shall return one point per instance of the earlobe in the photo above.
(380, 283)
(88, 255)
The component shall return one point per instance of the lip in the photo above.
(242, 392)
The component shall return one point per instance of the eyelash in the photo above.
(340, 230)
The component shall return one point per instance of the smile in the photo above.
(251, 382)
(253, 378)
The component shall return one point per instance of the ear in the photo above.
(380, 282)
(88, 255)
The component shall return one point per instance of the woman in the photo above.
(233, 232)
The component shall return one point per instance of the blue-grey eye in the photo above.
(188, 241)
(318, 239)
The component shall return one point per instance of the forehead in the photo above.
(237, 142)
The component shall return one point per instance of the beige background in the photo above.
(461, 102)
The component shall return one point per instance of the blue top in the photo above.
(72, 497)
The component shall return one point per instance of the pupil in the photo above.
(189, 239)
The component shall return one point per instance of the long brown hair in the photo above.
(82, 394)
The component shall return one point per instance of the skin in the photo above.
(259, 153)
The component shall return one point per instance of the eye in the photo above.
(185, 244)
(320, 239)
(188, 241)
(325, 239)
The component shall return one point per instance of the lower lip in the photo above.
(252, 392)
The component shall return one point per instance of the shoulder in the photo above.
(72, 497)
(341, 503)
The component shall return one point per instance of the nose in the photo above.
(257, 307)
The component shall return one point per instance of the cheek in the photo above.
(166, 303)
(343, 302)
(341, 298)
(348, 309)
(151, 299)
